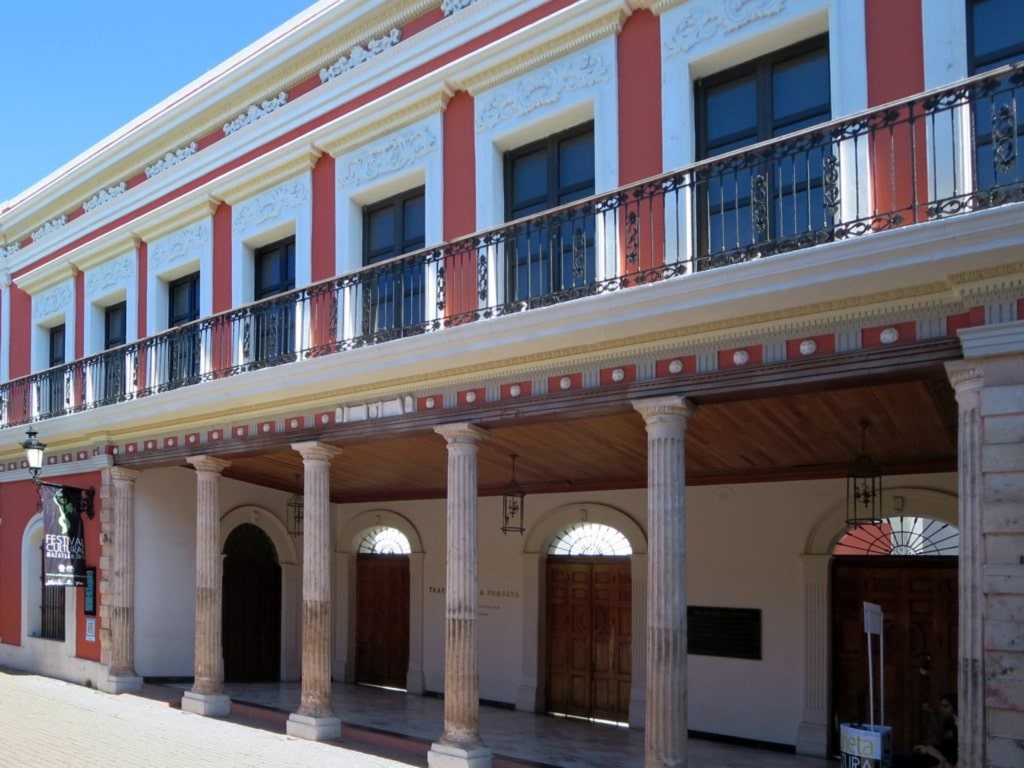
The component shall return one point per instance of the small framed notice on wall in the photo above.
(90, 591)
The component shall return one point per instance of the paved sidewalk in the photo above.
(46, 722)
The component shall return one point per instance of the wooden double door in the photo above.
(589, 637)
(919, 600)
(382, 620)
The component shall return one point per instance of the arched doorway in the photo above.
(382, 608)
(252, 607)
(589, 623)
(908, 566)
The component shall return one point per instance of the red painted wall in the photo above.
(459, 202)
(143, 270)
(21, 332)
(221, 258)
(18, 505)
(895, 54)
(323, 218)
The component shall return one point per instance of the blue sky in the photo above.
(74, 71)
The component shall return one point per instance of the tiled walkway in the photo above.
(550, 741)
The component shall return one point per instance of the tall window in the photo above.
(274, 324)
(774, 196)
(52, 607)
(395, 295)
(183, 347)
(549, 256)
(995, 37)
(54, 388)
(115, 334)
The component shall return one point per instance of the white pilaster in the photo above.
(812, 733)
(460, 745)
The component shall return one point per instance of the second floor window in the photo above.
(550, 256)
(995, 37)
(115, 325)
(53, 389)
(272, 332)
(745, 204)
(183, 348)
(57, 337)
(394, 302)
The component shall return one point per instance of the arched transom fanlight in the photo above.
(901, 537)
(384, 541)
(590, 539)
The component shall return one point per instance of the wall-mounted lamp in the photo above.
(34, 452)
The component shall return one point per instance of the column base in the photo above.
(120, 684)
(314, 728)
(206, 704)
(447, 756)
(812, 739)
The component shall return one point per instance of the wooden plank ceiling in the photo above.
(783, 437)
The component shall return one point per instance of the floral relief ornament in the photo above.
(388, 156)
(49, 228)
(116, 272)
(49, 302)
(171, 159)
(104, 196)
(256, 112)
(271, 204)
(176, 246)
(448, 7)
(538, 89)
(703, 22)
(359, 54)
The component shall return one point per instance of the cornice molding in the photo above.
(47, 276)
(175, 216)
(99, 251)
(513, 65)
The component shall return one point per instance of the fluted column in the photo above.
(665, 737)
(315, 719)
(207, 694)
(967, 380)
(460, 744)
(121, 579)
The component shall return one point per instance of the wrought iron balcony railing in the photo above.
(941, 154)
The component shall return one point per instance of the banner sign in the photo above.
(63, 536)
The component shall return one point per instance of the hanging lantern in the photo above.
(294, 512)
(513, 504)
(864, 487)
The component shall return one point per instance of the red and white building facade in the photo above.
(388, 246)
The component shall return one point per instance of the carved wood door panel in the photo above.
(589, 637)
(919, 599)
(382, 620)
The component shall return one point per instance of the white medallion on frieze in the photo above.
(270, 205)
(115, 273)
(394, 153)
(187, 244)
(542, 87)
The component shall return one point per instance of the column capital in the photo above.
(124, 475)
(316, 451)
(965, 376)
(657, 410)
(461, 432)
(208, 464)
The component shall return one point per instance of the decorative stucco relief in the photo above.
(171, 159)
(540, 88)
(270, 204)
(49, 228)
(179, 246)
(10, 249)
(51, 301)
(359, 54)
(705, 20)
(256, 112)
(113, 274)
(387, 156)
(448, 7)
(105, 196)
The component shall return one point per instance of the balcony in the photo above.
(937, 156)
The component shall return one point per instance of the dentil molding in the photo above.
(388, 156)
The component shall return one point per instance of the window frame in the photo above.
(285, 245)
(401, 245)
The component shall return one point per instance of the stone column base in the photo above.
(206, 704)
(314, 728)
(447, 756)
(120, 684)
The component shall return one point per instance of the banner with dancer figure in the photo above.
(63, 536)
